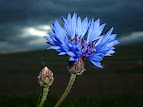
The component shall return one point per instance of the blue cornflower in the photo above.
(82, 39)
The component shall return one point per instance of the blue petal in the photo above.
(70, 53)
(98, 64)
(69, 17)
(73, 25)
(49, 40)
(59, 31)
(49, 43)
(96, 57)
(84, 26)
(99, 40)
(54, 47)
(109, 53)
(72, 59)
(107, 36)
(64, 20)
(78, 51)
(70, 26)
(103, 41)
(91, 23)
(94, 30)
(112, 37)
(110, 44)
(65, 47)
(78, 27)
(62, 53)
(97, 23)
(110, 31)
(65, 25)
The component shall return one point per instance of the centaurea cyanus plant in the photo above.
(80, 40)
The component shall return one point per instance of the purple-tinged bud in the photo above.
(45, 77)
(76, 67)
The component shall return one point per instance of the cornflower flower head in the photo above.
(81, 39)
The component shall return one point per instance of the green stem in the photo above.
(72, 78)
(44, 96)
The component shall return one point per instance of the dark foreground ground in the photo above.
(113, 90)
(119, 84)
(102, 101)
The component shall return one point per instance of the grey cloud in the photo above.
(125, 15)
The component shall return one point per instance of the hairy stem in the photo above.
(72, 79)
(44, 96)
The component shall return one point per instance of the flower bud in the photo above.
(45, 77)
(76, 68)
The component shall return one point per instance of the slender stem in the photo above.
(72, 78)
(44, 96)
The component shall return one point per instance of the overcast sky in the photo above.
(23, 23)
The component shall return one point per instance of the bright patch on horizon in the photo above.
(33, 31)
(132, 37)
(40, 30)
(45, 27)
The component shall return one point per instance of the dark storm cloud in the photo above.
(15, 15)
(9, 31)
(125, 15)
(13, 11)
